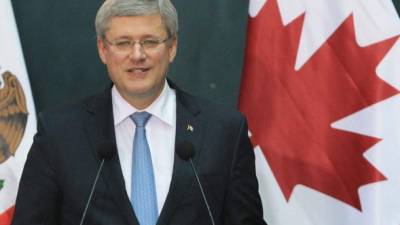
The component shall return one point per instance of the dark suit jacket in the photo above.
(63, 162)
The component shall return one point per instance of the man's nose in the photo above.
(137, 52)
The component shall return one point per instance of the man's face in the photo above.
(139, 73)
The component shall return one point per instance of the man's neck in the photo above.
(141, 102)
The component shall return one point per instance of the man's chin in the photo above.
(142, 93)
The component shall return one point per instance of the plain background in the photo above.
(59, 43)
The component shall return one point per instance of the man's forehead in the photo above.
(151, 19)
(152, 22)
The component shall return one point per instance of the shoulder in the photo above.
(73, 110)
(218, 110)
(214, 112)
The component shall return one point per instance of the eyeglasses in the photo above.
(125, 45)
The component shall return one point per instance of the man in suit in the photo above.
(143, 180)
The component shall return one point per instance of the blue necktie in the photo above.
(143, 190)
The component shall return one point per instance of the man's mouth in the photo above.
(138, 71)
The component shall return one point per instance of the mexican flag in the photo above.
(321, 90)
(17, 112)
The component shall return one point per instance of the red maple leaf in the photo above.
(290, 112)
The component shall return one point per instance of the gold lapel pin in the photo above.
(189, 128)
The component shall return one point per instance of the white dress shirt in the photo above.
(160, 133)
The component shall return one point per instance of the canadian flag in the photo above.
(321, 89)
(17, 112)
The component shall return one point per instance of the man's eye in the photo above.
(150, 43)
(123, 44)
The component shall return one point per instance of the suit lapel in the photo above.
(100, 128)
(189, 127)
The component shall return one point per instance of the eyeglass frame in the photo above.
(142, 43)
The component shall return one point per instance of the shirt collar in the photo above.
(162, 108)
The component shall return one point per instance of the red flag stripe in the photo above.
(6, 217)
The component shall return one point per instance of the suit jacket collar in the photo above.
(189, 127)
(100, 128)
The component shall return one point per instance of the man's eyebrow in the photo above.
(123, 38)
(146, 36)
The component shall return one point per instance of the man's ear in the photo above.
(101, 48)
(173, 48)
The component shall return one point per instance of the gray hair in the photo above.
(115, 8)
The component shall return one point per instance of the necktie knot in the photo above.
(140, 118)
